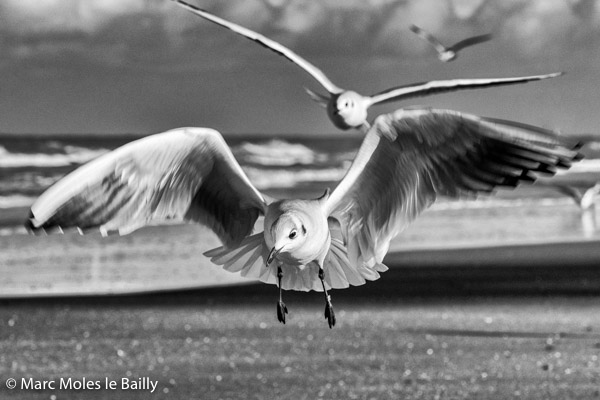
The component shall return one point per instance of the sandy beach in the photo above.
(227, 344)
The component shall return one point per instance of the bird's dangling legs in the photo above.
(281, 307)
(329, 314)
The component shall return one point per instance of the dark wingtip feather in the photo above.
(33, 226)
(527, 177)
(563, 164)
(547, 169)
(510, 182)
(30, 226)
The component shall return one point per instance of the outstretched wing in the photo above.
(183, 174)
(470, 42)
(428, 37)
(268, 43)
(410, 157)
(436, 87)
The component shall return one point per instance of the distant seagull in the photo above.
(447, 54)
(348, 109)
(585, 199)
(406, 160)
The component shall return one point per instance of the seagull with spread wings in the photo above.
(586, 199)
(348, 109)
(447, 54)
(406, 160)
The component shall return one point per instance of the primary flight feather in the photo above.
(406, 160)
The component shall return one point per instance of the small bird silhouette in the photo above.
(348, 109)
(447, 54)
(585, 199)
(406, 160)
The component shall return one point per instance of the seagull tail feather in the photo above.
(248, 258)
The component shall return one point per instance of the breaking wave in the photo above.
(71, 155)
(278, 153)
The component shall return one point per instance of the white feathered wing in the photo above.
(410, 157)
(186, 174)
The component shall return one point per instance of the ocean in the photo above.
(29, 165)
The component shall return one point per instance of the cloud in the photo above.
(102, 31)
(541, 28)
(144, 65)
(157, 35)
(123, 31)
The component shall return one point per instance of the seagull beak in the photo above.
(272, 254)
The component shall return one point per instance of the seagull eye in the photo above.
(293, 234)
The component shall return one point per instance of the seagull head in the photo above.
(289, 233)
(347, 110)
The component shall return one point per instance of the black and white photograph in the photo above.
(299, 199)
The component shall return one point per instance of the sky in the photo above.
(145, 66)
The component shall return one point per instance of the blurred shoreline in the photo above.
(169, 258)
(568, 268)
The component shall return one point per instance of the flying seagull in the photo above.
(447, 54)
(585, 199)
(347, 109)
(406, 160)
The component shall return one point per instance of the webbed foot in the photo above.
(281, 311)
(329, 314)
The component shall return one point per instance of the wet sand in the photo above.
(225, 343)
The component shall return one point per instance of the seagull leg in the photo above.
(329, 314)
(364, 127)
(281, 307)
